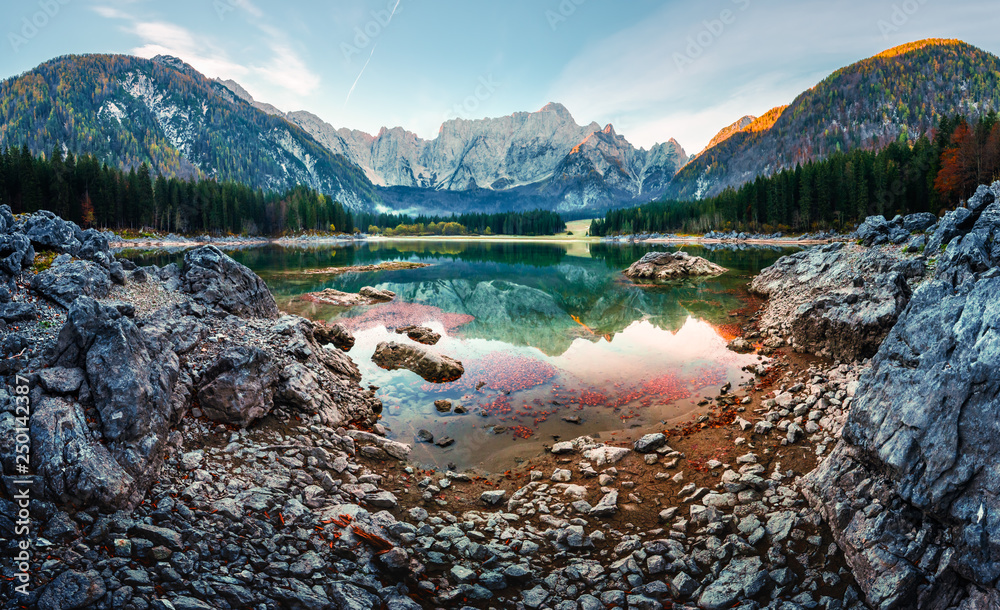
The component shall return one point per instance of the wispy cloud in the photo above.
(283, 74)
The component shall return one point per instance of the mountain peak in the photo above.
(609, 129)
(557, 109)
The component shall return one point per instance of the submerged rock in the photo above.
(672, 265)
(433, 367)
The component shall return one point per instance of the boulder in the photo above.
(741, 580)
(650, 442)
(672, 265)
(836, 300)
(920, 221)
(16, 254)
(420, 334)
(921, 449)
(433, 367)
(377, 294)
(215, 279)
(49, 232)
(337, 334)
(239, 386)
(18, 311)
(73, 467)
(131, 381)
(66, 282)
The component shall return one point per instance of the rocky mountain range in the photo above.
(543, 157)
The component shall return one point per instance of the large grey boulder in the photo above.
(131, 382)
(16, 254)
(672, 265)
(837, 300)
(75, 468)
(65, 282)
(432, 366)
(49, 232)
(920, 221)
(239, 386)
(217, 280)
(910, 491)
(72, 590)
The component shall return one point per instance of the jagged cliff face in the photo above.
(544, 154)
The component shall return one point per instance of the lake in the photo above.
(547, 332)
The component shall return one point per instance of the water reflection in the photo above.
(544, 333)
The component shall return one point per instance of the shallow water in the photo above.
(544, 331)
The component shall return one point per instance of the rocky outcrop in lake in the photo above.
(672, 265)
(910, 491)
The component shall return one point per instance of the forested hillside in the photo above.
(92, 193)
(899, 94)
(927, 176)
(127, 111)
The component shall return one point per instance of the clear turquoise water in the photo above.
(544, 330)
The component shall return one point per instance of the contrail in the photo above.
(360, 73)
(395, 6)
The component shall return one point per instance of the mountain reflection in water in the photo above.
(544, 333)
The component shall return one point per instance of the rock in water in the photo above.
(429, 365)
(337, 334)
(420, 334)
(376, 294)
(672, 265)
(213, 278)
(921, 442)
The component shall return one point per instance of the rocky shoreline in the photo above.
(193, 448)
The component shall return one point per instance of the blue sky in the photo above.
(655, 70)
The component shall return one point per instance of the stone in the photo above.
(650, 442)
(61, 380)
(561, 475)
(839, 300)
(18, 311)
(376, 294)
(71, 590)
(213, 278)
(238, 387)
(563, 447)
(742, 579)
(192, 459)
(65, 283)
(336, 334)
(420, 334)
(672, 265)
(607, 506)
(433, 367)
(604, 455)
(493, 497)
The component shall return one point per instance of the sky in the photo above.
(654, 69)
